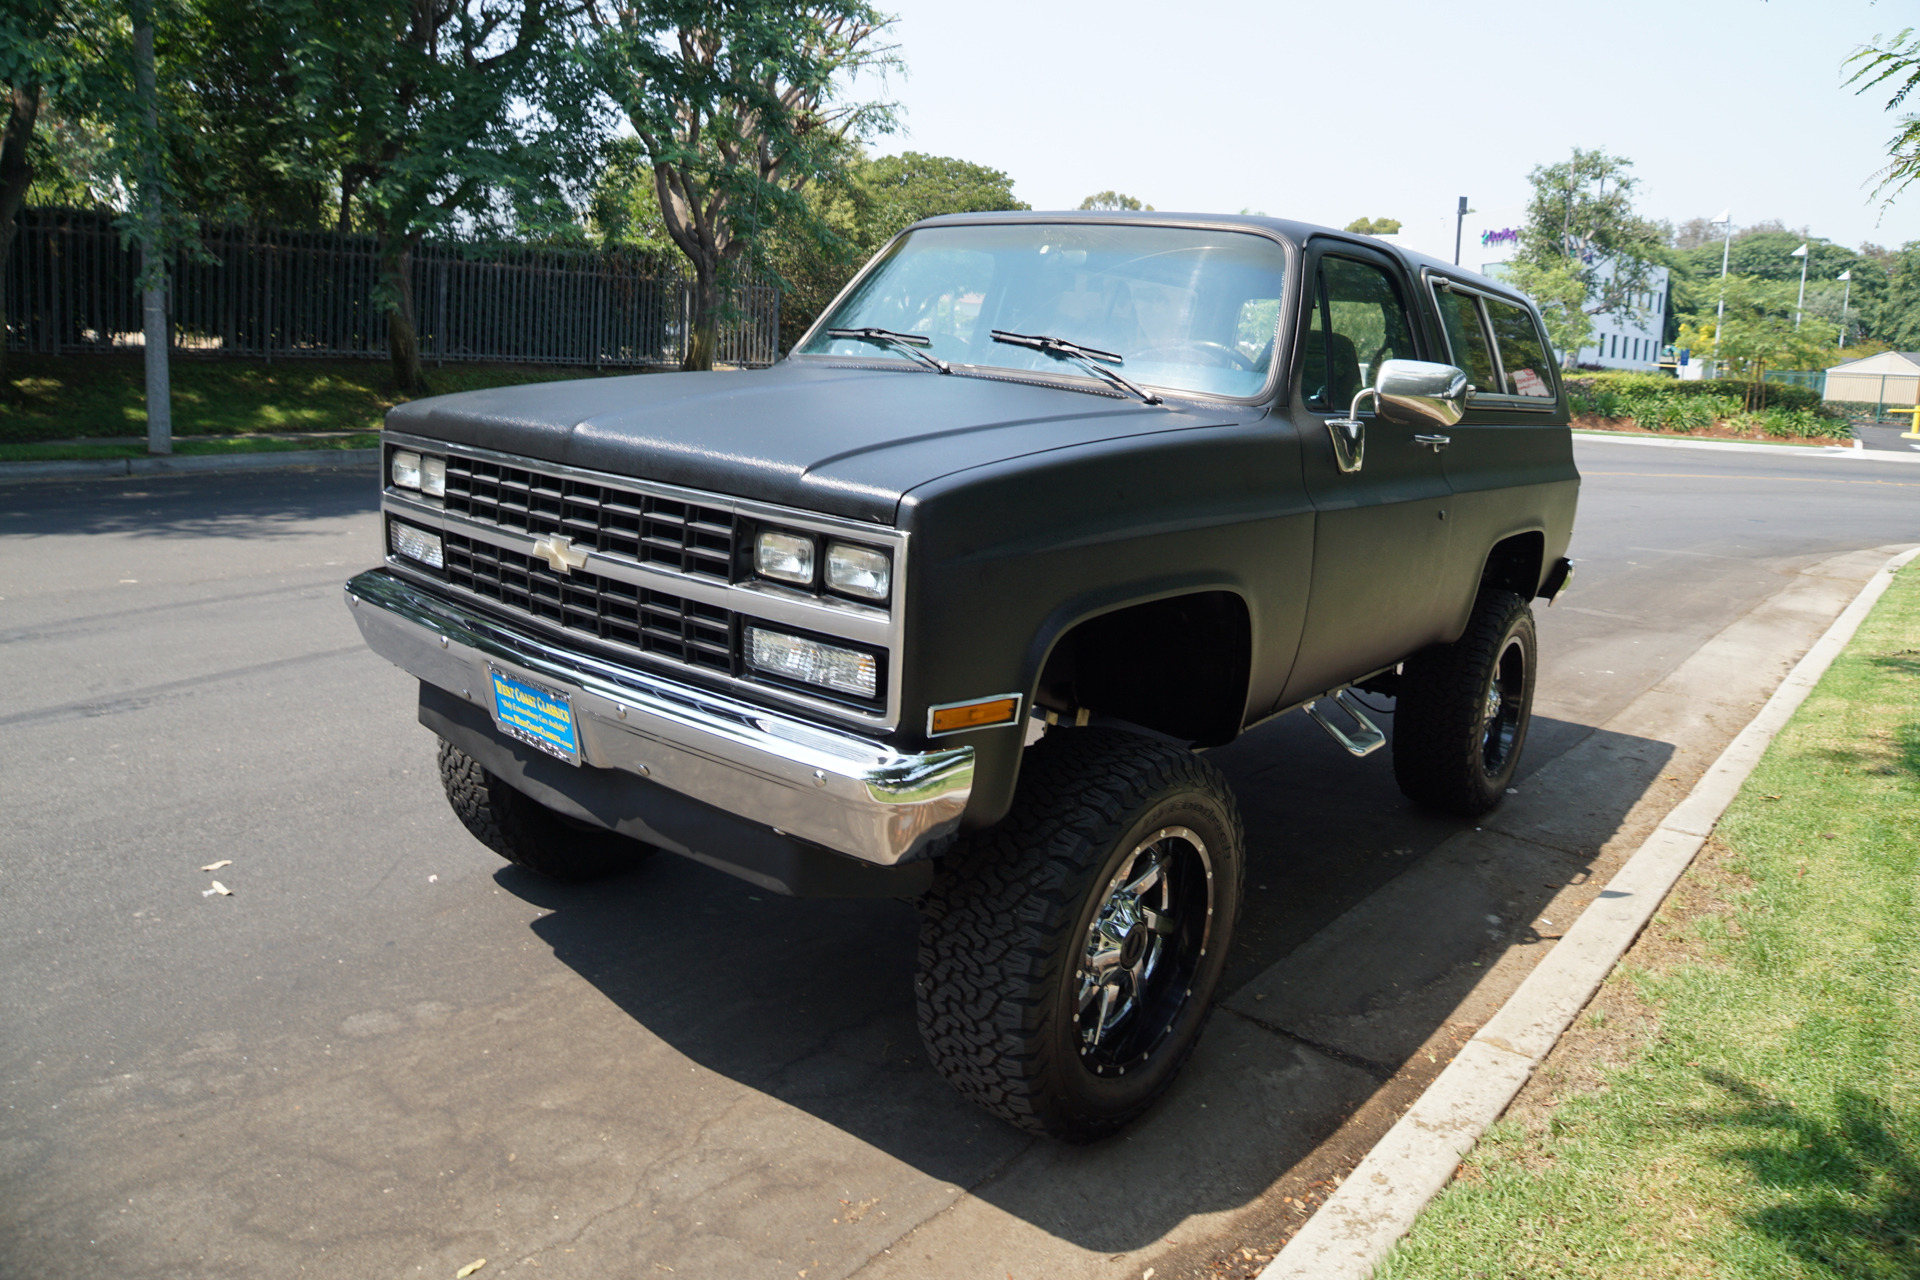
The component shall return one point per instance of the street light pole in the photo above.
(1459, 226)
(1800, 253)
(1720, 313)
(1846, 293)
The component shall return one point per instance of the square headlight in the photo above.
(784, 557)
(859, 571)
(406, 469)
(433, 476)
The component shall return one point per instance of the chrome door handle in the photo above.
(1436, 443)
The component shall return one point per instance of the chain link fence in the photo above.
(72, 286)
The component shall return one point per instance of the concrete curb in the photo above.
(1378, 1203)
(106, 468)
(1741, 446)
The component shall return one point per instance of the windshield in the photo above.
(1187, 310)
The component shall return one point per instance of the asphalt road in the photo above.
(386, 1054)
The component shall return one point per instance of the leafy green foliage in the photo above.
(1114, 200)
(1895, 62)
(1560, 287)
(1375, 226)
(1581, 222)
(737, 107)
(853, 215)
(1655, 403)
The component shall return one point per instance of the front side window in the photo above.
(1359, 323)
(1523, 356)
(1460, 317)
(1185, 309)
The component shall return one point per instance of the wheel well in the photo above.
(1515, 564)
(1177, 666)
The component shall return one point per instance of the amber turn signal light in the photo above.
(973, 715)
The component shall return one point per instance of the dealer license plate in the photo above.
(537, 716)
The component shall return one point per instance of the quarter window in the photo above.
(1359, 322)
(1523, 356)
(1466, 338)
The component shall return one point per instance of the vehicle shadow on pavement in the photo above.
(217, 505)
(1367, 923)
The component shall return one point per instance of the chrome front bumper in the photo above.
(833, 788)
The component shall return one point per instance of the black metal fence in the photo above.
(72, 286)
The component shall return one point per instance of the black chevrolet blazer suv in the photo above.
(950, 603)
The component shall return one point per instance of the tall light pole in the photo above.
(1720, 314)
(1459, 226)
(1800, 253)
(1845, 293)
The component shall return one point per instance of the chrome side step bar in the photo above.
(1364, 740)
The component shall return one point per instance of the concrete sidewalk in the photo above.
(179, 464)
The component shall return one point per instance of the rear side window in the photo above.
(1523, 356)
(1460, 316)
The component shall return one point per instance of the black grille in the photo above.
(701, 635)
(682, 536)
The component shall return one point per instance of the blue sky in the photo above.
(1331, 111)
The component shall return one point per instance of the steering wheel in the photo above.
(1215, 355)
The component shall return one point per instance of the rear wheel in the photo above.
(1463, 709)
(1069, 955)
(526, 832)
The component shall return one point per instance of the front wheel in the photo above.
(1069, 955)
(1463, 709)
(526, 832)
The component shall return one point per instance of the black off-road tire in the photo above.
(1455, 747)
(526, 832)
(1008, 924)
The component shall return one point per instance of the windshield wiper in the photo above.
(1094, 361)
(907, 342)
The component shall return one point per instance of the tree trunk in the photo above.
(16, 175)
(704, 325)
(403, 337)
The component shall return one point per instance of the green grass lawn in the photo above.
(68, 397)
(1743, 1099)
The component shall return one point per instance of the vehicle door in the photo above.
(1380, 530)
(1509, 455)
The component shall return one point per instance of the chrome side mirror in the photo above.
(1419, 393)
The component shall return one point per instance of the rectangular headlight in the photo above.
(433, 476)
(416, 544)
(810, 662)
(784, 557)
(858, 571)
(406, 469)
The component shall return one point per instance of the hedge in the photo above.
(1772, 394)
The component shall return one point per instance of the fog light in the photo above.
(810, 662)
(433, 476)
(416, 544)
(858, 571)
(787, 557)
(406, 469)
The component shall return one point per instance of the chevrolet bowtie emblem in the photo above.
(560, 552)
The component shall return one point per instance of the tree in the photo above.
(737, 106)
(1896, 320)
(1375, 226)
(1114, 200)
(1896, 60)
(1559, 286)
(1581, 222)
(854, 214)
(46, 47)
(442, 116)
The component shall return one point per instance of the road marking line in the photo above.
(1379, 1201)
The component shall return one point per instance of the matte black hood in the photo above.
(839, 441)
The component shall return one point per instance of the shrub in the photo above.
(1771, 394)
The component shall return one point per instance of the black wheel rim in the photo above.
(1141, 950)
(1505, 708)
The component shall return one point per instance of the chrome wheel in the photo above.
(1506, 707)
(1142, 947)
